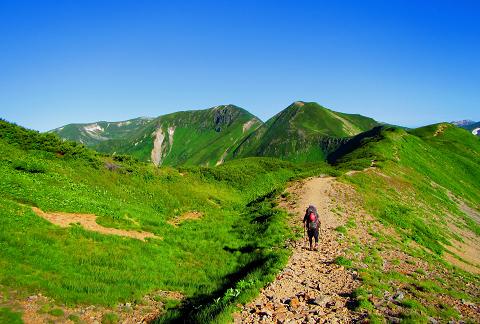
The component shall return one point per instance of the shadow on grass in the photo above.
(203, 307)
(260, 265)
(243, 249)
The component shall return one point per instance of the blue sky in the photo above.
(404, 62)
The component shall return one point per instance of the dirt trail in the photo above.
(88, 221)
(312, 288)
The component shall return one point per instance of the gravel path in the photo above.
(312, 288)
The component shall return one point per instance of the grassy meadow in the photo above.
(216, 262)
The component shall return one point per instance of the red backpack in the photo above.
(312, 221)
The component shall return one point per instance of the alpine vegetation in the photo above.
(196, 216)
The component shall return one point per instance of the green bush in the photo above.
(30, 166)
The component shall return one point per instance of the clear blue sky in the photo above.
(403, 62)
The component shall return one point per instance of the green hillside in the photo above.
(304, 131)
(424, 184)
(233, 245)
(425, 159)
(215, 233)
(201, 137)
(97, 132)
(198, 137)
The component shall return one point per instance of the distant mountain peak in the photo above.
(299, 103)
(463, 123)
(469, 125)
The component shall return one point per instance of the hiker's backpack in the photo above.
(312, 220)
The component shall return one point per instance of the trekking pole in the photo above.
(304, 236)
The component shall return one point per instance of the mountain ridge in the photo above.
(201, 137)
(312, 131)
(304, 131)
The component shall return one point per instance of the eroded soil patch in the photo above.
(191, 215)
(466, 254)
(88, 221)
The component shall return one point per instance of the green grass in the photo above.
(75, 318)
(9, 316)
(343, 261)
(110, 318)
(237, 245)
(421, 296)
(56, 312)
(341, 229)
(265, 241)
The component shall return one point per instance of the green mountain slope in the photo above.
(93, 133)
(470, 125)
(198, 137)
(421, 184)
(304, 131)
(427, 167)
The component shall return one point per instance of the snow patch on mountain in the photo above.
(124, 123)
(159, 153)
(94, 131)
(93, 128)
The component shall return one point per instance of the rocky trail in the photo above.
(312, 288)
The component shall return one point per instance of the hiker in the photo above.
(311, 223)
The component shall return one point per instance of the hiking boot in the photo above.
(316, 247)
